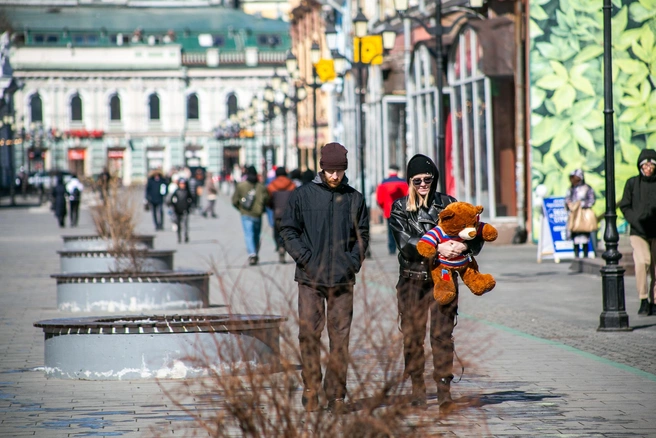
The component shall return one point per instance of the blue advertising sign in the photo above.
(555, 213)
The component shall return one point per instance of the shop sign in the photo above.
(115, 153)
(75, 154)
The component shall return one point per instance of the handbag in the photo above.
(581, 220)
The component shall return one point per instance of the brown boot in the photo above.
(310, 400)
(444, 400)
(418, 397)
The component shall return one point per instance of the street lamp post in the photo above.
(300, 94)
(360, 23)
(613, 317)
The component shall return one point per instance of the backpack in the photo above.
(76, 194)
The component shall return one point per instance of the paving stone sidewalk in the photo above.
(535, 364)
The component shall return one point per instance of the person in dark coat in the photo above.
(156, 190)
(326, 231)
(181, 201)
(392, 188)
(280, 190)
(59, 197)
(638, 205)
(411, 217)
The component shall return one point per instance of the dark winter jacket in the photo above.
(280, 190)
(409, 226)
(59, 196)
(638, 203)
(156, 190)
(181, 201)
(326, 231)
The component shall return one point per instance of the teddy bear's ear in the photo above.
(447, 214)
(479, 209)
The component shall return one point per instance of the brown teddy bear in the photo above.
(459, 221)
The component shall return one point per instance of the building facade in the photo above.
(135, 89)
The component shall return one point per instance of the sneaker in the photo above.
(644, 307)
(337, 407)
(310, 400)
(252, 260)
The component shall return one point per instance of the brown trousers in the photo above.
(312, 303)
(415, 299)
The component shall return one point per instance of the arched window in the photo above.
(153, 106)
(115, 108)
(192, 107)
(76, 108)
(36, 108)
(232, 105)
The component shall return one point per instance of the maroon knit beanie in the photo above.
(333, 157)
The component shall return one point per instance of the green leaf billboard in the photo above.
(566, 79)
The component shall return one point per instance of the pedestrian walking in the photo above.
(326, 231)
(638, 205)
(104, 184)
(59, 196)
(579, 198)
(210, 189)
(390, 189)
(411, 217)
(250, 198)
(182, 201)
(280, 189)
(74, 189)
(156, 190)
(295, 176)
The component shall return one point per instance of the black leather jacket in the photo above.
(409, 226)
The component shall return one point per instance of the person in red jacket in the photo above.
(391, 189)
(280, 189)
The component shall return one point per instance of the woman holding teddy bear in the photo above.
(412, 216)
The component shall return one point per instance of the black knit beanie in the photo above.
(333, 157)
(421, 164)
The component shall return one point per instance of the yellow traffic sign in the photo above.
(372, 49)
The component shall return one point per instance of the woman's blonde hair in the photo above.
(415, 200)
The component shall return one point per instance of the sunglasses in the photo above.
(426, 180)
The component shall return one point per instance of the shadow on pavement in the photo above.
(496, 398)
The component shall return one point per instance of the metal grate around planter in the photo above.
(95, 242)
(162, 347)
(73, 261)
(138, 292)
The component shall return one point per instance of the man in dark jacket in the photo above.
(326, 231)
(638, 205)
(156, 190)
(391, 189)
(280, 190)
(181, 200)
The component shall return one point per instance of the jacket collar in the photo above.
(319, 180)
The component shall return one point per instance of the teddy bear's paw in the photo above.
(489, 233)
(443, 297)
(426, 249)
(483, 284)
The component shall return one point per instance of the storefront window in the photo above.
(471, 122)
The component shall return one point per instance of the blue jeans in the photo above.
(252, 227)
(158, 215)
(391, 243)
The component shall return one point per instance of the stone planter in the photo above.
(145, 291)
(162, 347)
(95, 243)
(92, 261)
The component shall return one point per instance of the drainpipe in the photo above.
(520, 119)
(410, 116)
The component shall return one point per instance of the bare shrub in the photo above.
(115, 218)
(242, 398)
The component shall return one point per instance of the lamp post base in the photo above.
(613, 317)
